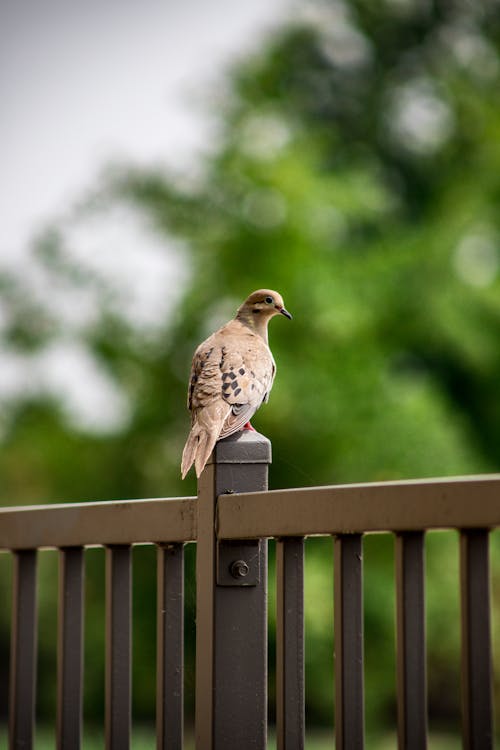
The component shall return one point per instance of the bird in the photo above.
(232, 374)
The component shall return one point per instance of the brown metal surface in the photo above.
(358, 508)
(231, 658)
(23, 651)
(205, 609)
(81, 524)
(290, 714)
(410, 642)
(118, 647)
(238, 563)
(231, 639)
(477, 692)
(348, 632)
(170, 647)
(70, 649)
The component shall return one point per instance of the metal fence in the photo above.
(230, 520)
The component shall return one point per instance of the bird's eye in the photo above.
(269, 300)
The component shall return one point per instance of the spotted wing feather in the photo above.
(247, 377)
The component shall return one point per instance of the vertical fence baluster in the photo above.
(477, 693)
(170, 647)
(70, 648)
(348, 626)
(23, 651)
(290, 719)
(411, 658)
(118, 647)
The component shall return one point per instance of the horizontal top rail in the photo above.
(407, 505)
(101, 523)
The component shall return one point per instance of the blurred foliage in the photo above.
(357, 171)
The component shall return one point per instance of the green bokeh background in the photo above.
(357, 171)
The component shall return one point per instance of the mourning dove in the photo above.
(231, 376)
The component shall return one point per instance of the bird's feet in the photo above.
(248, 426)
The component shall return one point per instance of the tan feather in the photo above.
(231, 375)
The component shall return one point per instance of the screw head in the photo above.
(239, 569)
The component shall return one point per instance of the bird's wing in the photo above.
(235, 369)
(247, 374)
(205, 378)
(208, 408)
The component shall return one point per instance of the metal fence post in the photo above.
(231, 605)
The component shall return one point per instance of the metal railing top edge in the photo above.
(91, 503)
(394, 506)
(402, 505)
(466, 479)
(98, 523)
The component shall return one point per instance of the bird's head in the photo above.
(262, 305)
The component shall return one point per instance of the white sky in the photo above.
(83, 84)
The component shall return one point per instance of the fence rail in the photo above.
(414, 505)
(98, 524)
(230, 520)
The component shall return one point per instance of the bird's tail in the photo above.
(199, 446)
(205, 431)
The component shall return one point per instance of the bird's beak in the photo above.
(285, 313)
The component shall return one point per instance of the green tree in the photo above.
(357, 172)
